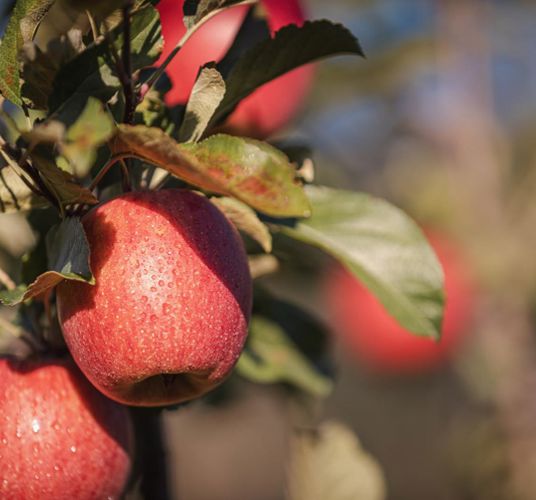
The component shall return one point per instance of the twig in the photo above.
(104, 170)
(151, 455)
(126, 76)
(127, 186)
(6, 280)
(93, 26)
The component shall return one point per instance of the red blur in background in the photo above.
(376, 339)
(267, 110)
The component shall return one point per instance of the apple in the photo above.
(168, 316)
(377, 340)
(59, 437)
(268, 109)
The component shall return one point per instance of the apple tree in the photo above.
(156, 223)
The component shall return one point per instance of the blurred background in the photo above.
(440, 119)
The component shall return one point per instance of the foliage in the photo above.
(84, 100)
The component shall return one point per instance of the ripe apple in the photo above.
(376, 338)
(59, 437)
(272, 106)
(168, 317)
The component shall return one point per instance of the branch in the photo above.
(151, 453)
(126, 70)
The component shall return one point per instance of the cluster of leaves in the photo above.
(79, 98)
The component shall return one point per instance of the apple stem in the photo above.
(151, 453)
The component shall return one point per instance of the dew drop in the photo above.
(153, 289)
(161, 283)
(35, 426)
(73, 449)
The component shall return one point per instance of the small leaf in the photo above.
(62, 184)
(272, 357)
(196, 10)
(291, 47)
(68, 258)
(15, 195)
(329, 462)
(22, 24)
(206, 95)
(383, 248)
(39, 68)
(92, 129)
(246, 220)
(251, 171)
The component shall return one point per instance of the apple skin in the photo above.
(59, 437)
(168, 316)
(271, 107)
(377, 340)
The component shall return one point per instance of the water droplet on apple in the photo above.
(35, 426)
(153, 289)
(73, 449)
(161, 283)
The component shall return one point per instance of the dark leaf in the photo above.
(39, 68)
(271, 357)
(60, 183)
(68, 258)
(92, 73)
(291, 47)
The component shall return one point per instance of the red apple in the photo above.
(59, 437)
(376, 338)
(272, 106)
(168, 317)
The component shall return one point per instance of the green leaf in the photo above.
(15, 195)
(25, 18)
(68, 258)
(61, 183)
(383, 248)
(92, 129)
(251, 171)
(92, 73)
(206, 95)
(329, 462)
(271, 357)
(246, 220)
(291, 47)
(40, 67)
(195, 11)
